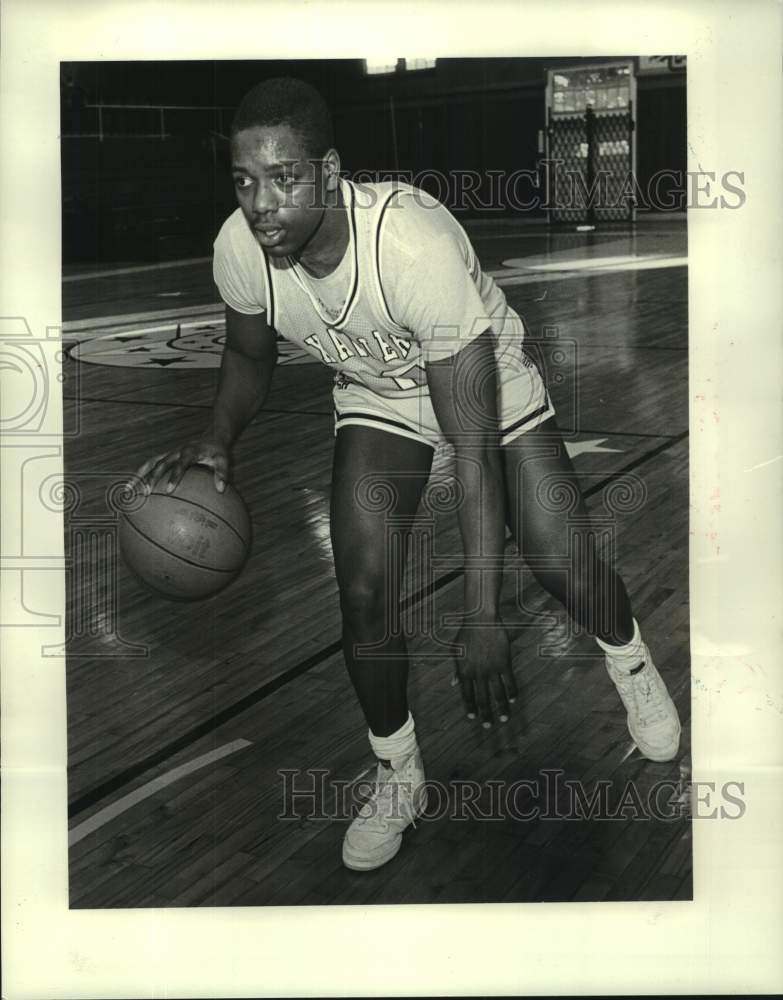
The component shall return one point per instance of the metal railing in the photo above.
(117, 120)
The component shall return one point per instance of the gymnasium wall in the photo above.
(136, 197)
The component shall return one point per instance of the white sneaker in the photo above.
(375, 836)
(652, 716)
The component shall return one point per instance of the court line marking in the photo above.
(625, 262)
(136, 269)
(158, 315)
(539, 277)
(567, 434)
(516, 266)
(505, 276)
(230, 712)
(138, 402)
(543, 233)
(181, 325)
(628, 753)
(110, 812)
(198, 406)
(204, 728)
(192, 261)
(638, 434)
(475, 234)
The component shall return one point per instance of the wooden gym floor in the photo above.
(190, 724)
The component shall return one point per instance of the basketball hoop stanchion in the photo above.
(590, 165)
(590, 148)
(566, 153)
(631, 137)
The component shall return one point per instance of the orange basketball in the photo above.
(190, 543)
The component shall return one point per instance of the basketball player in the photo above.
(381, 284)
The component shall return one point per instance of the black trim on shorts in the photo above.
(526, 419)
(383, 420)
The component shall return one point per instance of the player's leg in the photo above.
(378, 479)
(551, 526)
(377, 482)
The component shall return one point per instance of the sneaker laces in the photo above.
(384, 795)
(646, 695)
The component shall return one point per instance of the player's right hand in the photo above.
(169, 467)
(484, 673)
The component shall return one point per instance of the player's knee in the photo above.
(553, 582)
(363, 600)
(576, 581)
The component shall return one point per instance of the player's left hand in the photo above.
(484, 672)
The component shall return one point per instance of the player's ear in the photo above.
(331, 169)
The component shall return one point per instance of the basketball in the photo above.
(190, 543)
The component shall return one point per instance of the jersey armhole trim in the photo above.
(382, 216)
(353, 293)
(270, 291)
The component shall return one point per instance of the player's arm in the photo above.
(463, 390)
(246, 368)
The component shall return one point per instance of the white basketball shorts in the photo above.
(523, 404)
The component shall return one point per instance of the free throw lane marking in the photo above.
(101, 323)
(113, 272)
(133, 798)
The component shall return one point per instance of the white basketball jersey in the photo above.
(408, 290)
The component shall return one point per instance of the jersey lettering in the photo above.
(342, 350)
(366, 345)
(402, 345)
(388, 353)
(313, 341)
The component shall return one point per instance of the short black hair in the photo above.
(285, 100)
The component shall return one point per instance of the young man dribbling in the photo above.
(380, 283)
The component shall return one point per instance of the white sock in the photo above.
(628, 657)
(397, 747)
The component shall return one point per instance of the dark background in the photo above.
(135, 195)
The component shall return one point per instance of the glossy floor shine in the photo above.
(195, 729)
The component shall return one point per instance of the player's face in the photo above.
(281, 192)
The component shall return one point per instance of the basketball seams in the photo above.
(175, 555)
(187, 544)
(208, 510)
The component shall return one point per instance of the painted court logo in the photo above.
(188, 344)
(194, 337)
